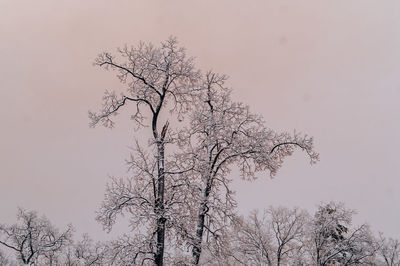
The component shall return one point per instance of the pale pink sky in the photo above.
(326, 68)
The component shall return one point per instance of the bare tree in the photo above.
(81, 253)
(87, 252)
(289, 228)
(274, 238)
(333, 240)
(84, 252)
(157, 78)
(389, 251)
(223, 134)
(33, 238)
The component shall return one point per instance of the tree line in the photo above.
(177, 196)
(275, 236)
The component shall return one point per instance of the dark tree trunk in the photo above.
(159, 255)
(196, 252)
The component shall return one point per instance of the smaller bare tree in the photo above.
(389, 251)
(334, 240)
(88, 252)
(274, 238)
(84, 252)
(33, 238)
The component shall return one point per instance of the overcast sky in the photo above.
(329, 69)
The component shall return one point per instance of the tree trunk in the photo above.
(196, 252)
(159, 256)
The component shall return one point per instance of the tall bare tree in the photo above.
(223, 134)
(33, 238)
(156, 79)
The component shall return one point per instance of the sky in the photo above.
(329, 69)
